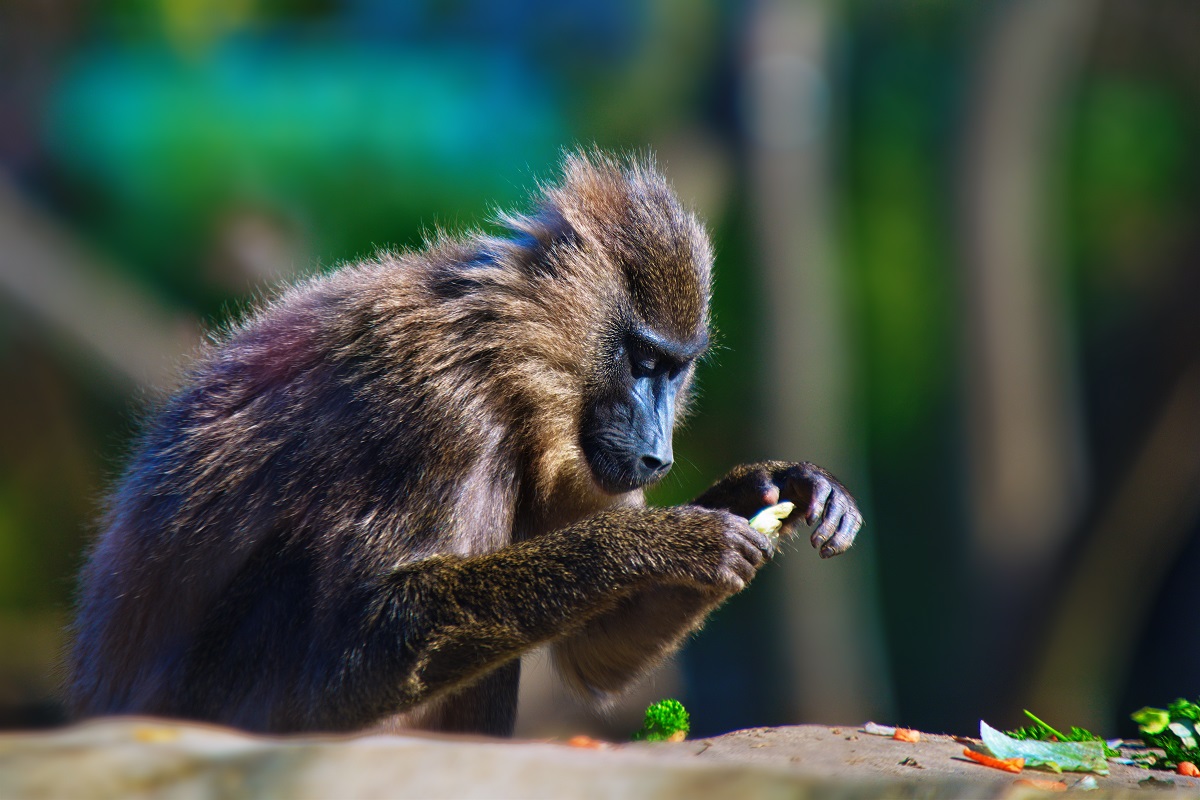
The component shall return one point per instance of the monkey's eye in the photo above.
(645, 366)
(643, 362)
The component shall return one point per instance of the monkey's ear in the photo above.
(539, 238)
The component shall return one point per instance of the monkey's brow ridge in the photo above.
(670, 346)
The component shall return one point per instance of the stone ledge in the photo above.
(154, 758)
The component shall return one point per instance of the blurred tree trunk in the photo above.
(1140, 529)
(1023, 411)
(132, 337)
(829, 610)
(1025, 444)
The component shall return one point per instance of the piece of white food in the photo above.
(770, 519)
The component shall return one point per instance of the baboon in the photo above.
(380, 489)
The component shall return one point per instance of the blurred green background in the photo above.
(958, 264)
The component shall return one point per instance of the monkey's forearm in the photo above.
(443, 622)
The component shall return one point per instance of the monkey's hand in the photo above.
(821, 500)
(713, 551)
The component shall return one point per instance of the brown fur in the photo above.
(370, 498)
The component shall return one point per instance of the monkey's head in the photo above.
(626, 431)
(592, 312)
(642, 264)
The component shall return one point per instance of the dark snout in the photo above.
(653, 427)
(627, 440)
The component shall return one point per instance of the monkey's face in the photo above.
(629, 421)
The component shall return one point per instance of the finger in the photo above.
(765, 488)
(744, 570)
(822, 490)
(825, 530)
(763, 543)
(736, 570)
(844, 537)
(836, 510)
(754, 546)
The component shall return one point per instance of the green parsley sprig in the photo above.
(1174, 729)
(1042, 732)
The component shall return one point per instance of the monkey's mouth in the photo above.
(621, 472)
(619, 484)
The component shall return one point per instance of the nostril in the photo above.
(655, 464)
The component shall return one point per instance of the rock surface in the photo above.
(155, 758)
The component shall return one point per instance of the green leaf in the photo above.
(1056, 756)
(1184, 709)
(1173, 730)
(1043, 731)
(1151, 720)
(1186, 731)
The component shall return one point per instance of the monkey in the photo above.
(377, 490)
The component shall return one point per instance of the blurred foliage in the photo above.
(1133, 186)
(351, 145)
(901, 86)
(897, 251)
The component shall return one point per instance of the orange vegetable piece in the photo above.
(1040, 783)
(586, 742)
(906, 735)
(1006, 764)
(1187, 768)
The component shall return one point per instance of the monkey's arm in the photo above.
(440, 623)
(820, 500)
(617, 646)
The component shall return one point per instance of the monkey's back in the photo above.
(293, 463)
